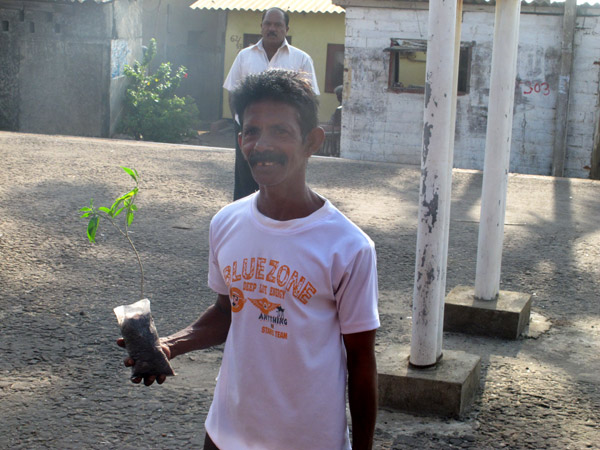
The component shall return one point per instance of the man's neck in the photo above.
(276, 206)
(271, 50)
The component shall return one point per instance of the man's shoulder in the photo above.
(231, 212)
(297, 51)
(247, 51)
(346, 230)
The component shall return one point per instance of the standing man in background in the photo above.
(271, 52)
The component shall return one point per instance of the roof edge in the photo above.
(534, 6)
(298, 6)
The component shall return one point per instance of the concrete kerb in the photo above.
(446, 389)
(506, 317)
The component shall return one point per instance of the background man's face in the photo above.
(273, 28)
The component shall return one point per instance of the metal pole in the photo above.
(437, 132)
(447, 193)
(497, 149)
(564, 83)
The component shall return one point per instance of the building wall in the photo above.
(192, 38)
(125, 46)
(310, 32)
(380, 125)
(61, 70)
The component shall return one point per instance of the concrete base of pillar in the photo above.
(506, 317)
(447, 389)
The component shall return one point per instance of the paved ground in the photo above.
(62, 384)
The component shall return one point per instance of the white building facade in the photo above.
(382, 122)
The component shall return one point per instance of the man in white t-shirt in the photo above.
(296, 285)
(271, 52)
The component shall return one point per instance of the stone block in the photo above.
(447, 389)
(506, 317)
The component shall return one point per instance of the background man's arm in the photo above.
(362, 387)
(309, 68)
(233, 78)
(231, 108)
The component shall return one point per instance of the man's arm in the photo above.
(231, 108)
(233, 78)
(362, 387)
(209, 330)
(309, 68)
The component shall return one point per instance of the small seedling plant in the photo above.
(123, 206)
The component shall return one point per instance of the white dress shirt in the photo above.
(254, 59)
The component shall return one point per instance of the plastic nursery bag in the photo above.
(141, 340)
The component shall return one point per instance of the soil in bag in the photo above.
(141, 340)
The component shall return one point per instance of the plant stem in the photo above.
(137, 255)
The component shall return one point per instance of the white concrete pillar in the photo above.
(438, 132)
(497, 149)
(447, 193)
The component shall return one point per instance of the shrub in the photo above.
(152, 110)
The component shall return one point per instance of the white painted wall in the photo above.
(378, 125)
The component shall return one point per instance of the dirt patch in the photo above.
(62, 382)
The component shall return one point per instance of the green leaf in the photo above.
(104, 209)
(118, 211)
(124, 197)
(132, 173)
(116, 204)
(92, 228)
(113, 209)
(129, 217)
(85, 209)
(85, 215)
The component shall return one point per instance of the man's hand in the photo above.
(209, 330)
(129, 362)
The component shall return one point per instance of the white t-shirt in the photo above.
(295, 287)
(254, 59)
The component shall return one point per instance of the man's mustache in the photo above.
(271, 33)
(260, 157)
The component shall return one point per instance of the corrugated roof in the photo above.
(79, 1)
(294, 6)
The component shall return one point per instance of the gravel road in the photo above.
(62, 383)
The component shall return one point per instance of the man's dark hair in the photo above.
(286, 16)
(285, 86)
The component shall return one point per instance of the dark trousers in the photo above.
(209, 444)
(244, 183)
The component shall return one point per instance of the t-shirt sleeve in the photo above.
(357, 293)
(215, 277)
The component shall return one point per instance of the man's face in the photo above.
(271, 141)
(273, 28)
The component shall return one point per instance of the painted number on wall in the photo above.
(530, 88)
(238, 40)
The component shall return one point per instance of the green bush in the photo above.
(152, 110)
